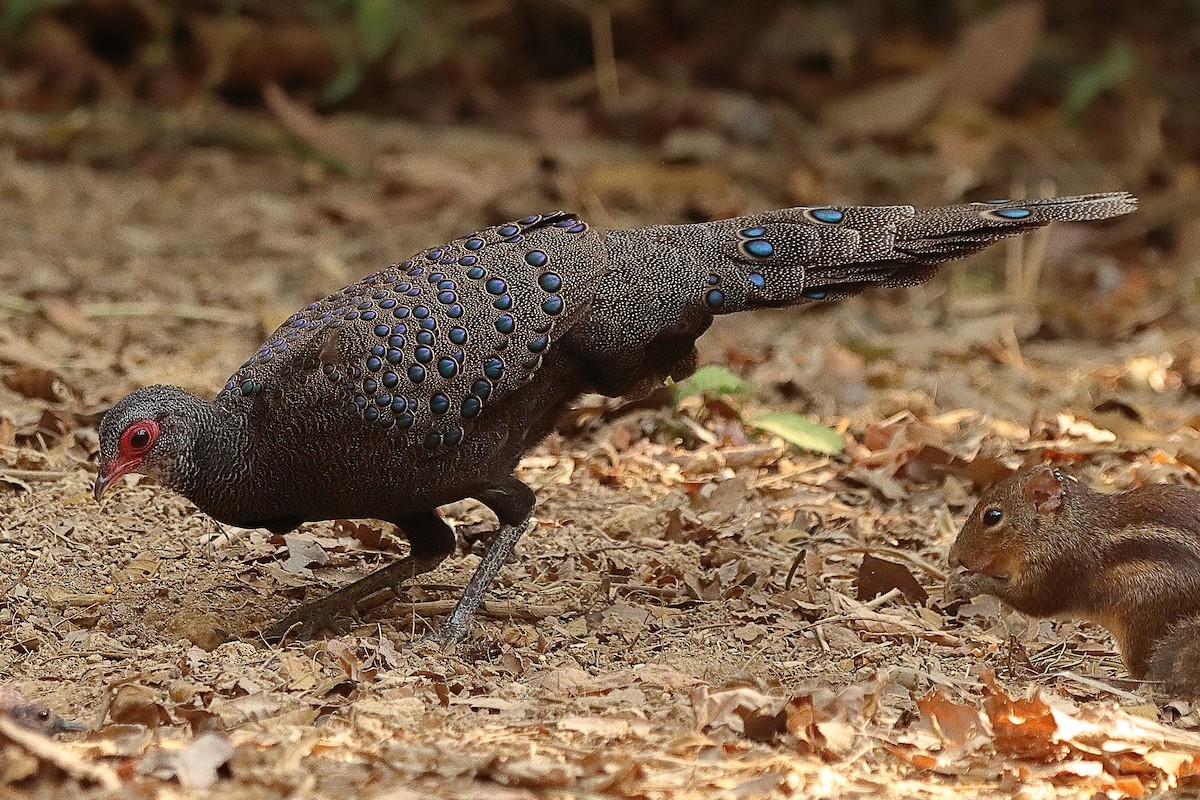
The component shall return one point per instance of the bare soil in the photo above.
(685, 619)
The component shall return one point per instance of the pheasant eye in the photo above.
(140, 436)
(992, 517)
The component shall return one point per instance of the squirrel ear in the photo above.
(1045, 489)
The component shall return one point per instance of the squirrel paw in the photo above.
(963, 585)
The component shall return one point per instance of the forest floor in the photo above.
(687, 618)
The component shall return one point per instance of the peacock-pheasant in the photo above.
(424, 383)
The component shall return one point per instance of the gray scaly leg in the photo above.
(512, 502)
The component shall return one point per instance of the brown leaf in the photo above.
(369, 536)
(887, 486)
(988, 59)
(987, 470)
(570, 681)
(315, 131)
(35, 382)
(878, 576)
(9, 479)
(255, 707)
(888, 108)
(1024, 728)
(134, 704)
(993, 54)
(744, 711)
(67, 317)
(30, 752)
(955, 723)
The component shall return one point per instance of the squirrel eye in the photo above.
(992, 516)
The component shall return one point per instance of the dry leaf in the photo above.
(743, 711)
(135, 704)
(34, 382)
(889, 108)
(321, 134)
(992, 55)
(878, 576)
(196, 765)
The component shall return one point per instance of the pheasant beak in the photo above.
(109, 472)
(66, 725)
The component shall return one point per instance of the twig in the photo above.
(604, 57)
(32, 474)
(197, 313)
(621, 584)
(20, 579)
(496, 609)
(878, 601)
(1092, 683)
(856, 615)
(787, 584)
(904, 555)
(821, 640)
(1014, 260)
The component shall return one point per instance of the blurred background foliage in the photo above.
(728, 104)
(463, 59)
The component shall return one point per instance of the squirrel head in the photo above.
(1011, 529)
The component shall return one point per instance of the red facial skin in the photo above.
(135, 442)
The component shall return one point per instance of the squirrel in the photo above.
(1051, 547)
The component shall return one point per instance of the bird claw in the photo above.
(321, 614)
(446, 637)
(307, 620)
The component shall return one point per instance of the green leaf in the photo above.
(17, 12)
(379, 23)
(342, 85)
(1096, 79)
(715, 381)
(800, 431)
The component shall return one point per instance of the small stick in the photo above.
(1092, 683)
(891, 551)
(32, 474)
(154, 310)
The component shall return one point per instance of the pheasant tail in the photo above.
(796, 255)
(667, 282)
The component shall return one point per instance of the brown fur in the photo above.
(1129, 562)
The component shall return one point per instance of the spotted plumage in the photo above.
(423, 348)
(424, 383)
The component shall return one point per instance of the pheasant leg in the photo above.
(512, 502)
(456, 626)
(431, 540)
